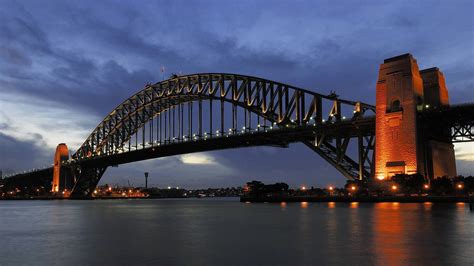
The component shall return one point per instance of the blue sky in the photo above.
(64, 65)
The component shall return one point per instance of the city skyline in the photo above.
(57, 85)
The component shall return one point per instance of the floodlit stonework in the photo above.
(61, 154)
(402, 91)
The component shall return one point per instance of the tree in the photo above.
(469, 184)
(409, 183)
(442, 186)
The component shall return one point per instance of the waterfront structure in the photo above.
(211, 111)
(60, 177)
(402, 92)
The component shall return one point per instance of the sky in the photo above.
(64, 65)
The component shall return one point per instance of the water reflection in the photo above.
(210, 231)
(388, 234)
(427, 206)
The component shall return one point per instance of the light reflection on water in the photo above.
(224, 231)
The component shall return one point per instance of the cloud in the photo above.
(196, 158)
(16, 155)
(464, 151)
(464, 158)
(61, 75)
(26, 119)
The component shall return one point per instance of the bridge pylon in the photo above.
(62, 179)
(404, 144)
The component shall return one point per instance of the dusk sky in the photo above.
(64, 65)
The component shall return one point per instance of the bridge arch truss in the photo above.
(202, 108)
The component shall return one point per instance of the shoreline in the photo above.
(399, 199)
(244, 199)
(110, 198)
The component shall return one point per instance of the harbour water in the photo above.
(223, 231)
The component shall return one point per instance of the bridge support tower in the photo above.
(403, 145)
(62, 153)
(62, 179)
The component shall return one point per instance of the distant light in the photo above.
(394, 187)
(426, 186)
(331, 188)
(427, 106)
(353, 188)
(303, 188)
(380, 177)
(460, 186)
(169, 187)
(177, 187)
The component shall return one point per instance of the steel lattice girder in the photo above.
(463, 132)
(455, 122)
(86, 180)
(276, 102)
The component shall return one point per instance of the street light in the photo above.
(353, 188)
(394, 187)
(330, 190)
(459, 186)
(426, 186)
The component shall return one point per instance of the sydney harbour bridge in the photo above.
(214, 111)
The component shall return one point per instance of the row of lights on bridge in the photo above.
(195, 137)
(232, 131)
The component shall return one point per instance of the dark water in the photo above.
(226, 232)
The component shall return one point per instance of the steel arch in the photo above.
(280, 104)
(277, 102)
